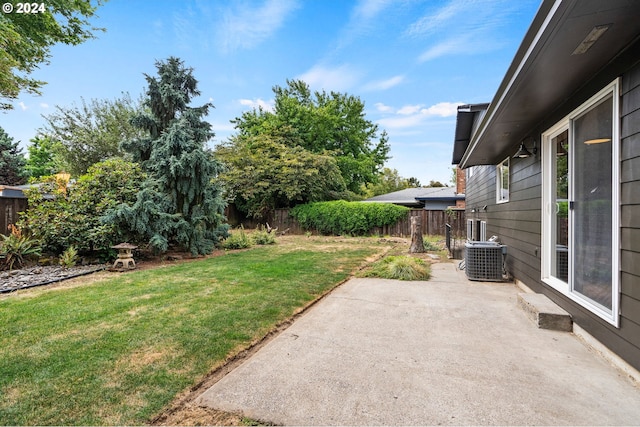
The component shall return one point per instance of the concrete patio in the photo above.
(445, 351)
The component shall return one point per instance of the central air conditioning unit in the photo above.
(484, 261)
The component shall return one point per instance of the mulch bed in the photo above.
(25, 278)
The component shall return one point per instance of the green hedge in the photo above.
(347, 218)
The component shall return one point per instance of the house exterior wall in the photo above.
(438, 205)
(518, 223)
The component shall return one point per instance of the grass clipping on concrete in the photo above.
(399, 267)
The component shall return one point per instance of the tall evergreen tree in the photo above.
(11, 161)
(180, 204)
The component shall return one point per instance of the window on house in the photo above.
(502, 179)
(580, 208)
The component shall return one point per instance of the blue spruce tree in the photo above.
(180, 203)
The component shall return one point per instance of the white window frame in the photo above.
(470, 230)
(613, 316)
(501, 197)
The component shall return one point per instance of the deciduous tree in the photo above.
(387, 182)
(322, 122)
(42, 160)
(91, 132)
(263, 173)
(26, 40)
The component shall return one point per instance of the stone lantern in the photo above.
(125, 256)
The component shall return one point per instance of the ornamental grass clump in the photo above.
(237, 239)
(263, 237)
(400, 268)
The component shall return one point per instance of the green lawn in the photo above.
(118, 351)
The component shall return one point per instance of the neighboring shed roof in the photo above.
(13, 191)
(417, 196)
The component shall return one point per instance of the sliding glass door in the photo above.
(580, 200)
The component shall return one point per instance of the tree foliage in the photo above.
(179, 203)
(26, 40)
(62, 215)
(263, 173)
(91, 132)
(388, 182)
(42, 159)
(433, 183)
(11, 161)
(322, 123)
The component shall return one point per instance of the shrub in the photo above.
(15, 248)
(430, 246)
(263, 237)
(237, 240)
(399, 268)
(69, 257)
(352, 218)
(62, 215)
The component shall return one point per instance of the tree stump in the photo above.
(417, 245)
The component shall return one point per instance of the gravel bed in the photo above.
(42, 275)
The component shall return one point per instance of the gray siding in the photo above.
(518, 222)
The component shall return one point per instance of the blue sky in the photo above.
(411, 62)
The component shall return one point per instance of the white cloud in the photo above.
(383, 108)
(369, 9)
(337, 79)
(363, 20)
(384, 84)
(441, 18)
(44, 105)
(222, 127)
(448, 47)
(410, 116)
(258, 103)
(477, 27)
(442, 109)
(22, 106)
(409, 109)
(245, 26)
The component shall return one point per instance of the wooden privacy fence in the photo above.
(9, 208)
(433, 222)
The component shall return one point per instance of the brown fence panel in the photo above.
(9, 209)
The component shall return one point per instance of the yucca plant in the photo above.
(15, 248)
